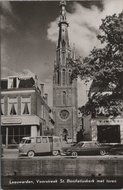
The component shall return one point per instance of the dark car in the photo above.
(88, 148)
(116, 149)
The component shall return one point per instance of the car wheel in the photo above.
(74, 154)
(55, 152)
(31, 154)
(102, 152)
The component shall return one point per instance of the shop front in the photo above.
(13, 129)
(108, 133)
(14, 134)
(108, 130)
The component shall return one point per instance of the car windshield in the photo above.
(79, 144)
(23, 141)
(27, 141)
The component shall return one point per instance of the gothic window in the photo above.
(26, 106)
(54, 78)
(2, 106)
(70, 98)
(64, 98)
(63, 43)
(70, 81)
(63, 77)
(58, 75)
(58, 99)
(65, 134)
(63, 57)
(12, 106)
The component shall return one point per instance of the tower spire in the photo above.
(63, 10)
(63, 49)
(64, 89)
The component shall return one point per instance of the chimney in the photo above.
(46, 97)
(42, 89)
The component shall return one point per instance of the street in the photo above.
(13, 154)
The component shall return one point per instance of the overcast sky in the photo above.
(30, 32)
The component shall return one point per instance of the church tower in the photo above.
(64, 89)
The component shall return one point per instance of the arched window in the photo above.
(63, 43)
(69, 79)
(54, 78)
(65, 134)
(59, 76)
(64, 98)
(63, 77)
(63, 57)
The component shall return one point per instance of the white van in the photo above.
(41, 144)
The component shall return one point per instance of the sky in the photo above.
(30, 33)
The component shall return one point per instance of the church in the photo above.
(65, 106)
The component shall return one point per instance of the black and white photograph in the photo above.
(61, 94)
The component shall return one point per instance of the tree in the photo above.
(105, 67)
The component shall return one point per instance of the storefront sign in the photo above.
(11, 121)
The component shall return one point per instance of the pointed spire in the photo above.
(63, 40)
(63, 10)
(63, 48)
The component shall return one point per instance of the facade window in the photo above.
(12, 106)
(2, 106)
(26, 106)
(59, 77)
(58, 97)
(12, 82)
(63, 77)
(42, 111)
(64, 57)
(56, 77)
(70, 97)
(64, 98)
(69, 77)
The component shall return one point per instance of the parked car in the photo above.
(88, 148)
(40, 145)
(116, 149)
